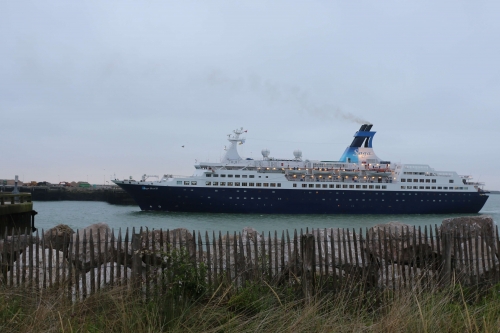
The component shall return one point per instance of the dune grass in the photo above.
(255, 308)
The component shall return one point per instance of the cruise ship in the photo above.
(358, 183)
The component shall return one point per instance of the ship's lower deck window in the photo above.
(384, 187)
(244, 184)
(251, 184)
(222, 183)
(364, 186)
(266, 184)
(179, 182)
(193, 183)
(186, 183)
(208, 183)
(244, 176)
(273, 184)
(216, 175)
(337, 186)
(216, 183)
(311, 185)
(208, 175)
(230, 184)
(304, 185)
(258, 184)
(279, 184)
(236, 184)
(294, 185)
(251, 176)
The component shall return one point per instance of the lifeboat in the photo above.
(379, 172)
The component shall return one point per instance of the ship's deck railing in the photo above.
(338, 180)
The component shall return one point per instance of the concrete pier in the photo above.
(16, 213)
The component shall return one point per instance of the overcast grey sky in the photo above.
(89, 89)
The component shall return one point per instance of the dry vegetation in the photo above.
(256, 307)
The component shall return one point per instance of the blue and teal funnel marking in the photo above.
(364, 135)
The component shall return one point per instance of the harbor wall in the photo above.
(110, 195)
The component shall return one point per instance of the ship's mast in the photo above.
(232, 155)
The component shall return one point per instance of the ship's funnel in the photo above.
(359, 152)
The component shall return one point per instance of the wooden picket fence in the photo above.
(317, 259)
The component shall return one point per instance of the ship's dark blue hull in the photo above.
(302, 201)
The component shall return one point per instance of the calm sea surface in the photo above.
(79, 214)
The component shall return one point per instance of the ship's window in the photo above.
(251, 176)
(331, 186)
(466, 188)
(344, 186)
(223, 175)
(311, 185)
(216, 183)
(304, 185)
(440, 188)
(208, 183)
(434, 187)
(236, 176)
(244, 176)
(251, 184)
(421, 187)
(244, 184)
(403, 180)
(364, 186)
(433, 180)
(273, 184)
(384, 187)
(193, 183)
(266, 184)
(415, 187)
(318, 185)
(208, 175)
(216, 175)
(337, 186)
(236, 184)
(370, 186)
(279, 184)
(294, 185)
(222, 184)
(427, 180)
(351, 186)
(325, 185)
(230, 184)
(377, 186)
(186, 183)
(258, 184)
(421, 180)
(358, 186)
(451, 180)
(427, 187)
(179, 182)
(230, 176)
(409, 180)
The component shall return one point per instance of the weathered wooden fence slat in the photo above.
(389, 257)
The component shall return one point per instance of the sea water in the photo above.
(79, 214)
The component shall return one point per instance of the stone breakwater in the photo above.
(392, 255)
